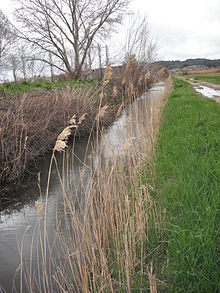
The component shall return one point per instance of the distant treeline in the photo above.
(189, 62)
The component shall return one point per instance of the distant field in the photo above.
(16, 88)
(204, 71)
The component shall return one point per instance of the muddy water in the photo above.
(208, 92)
(18, 221)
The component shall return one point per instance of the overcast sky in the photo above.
(184, 29)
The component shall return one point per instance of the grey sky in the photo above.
(184, 29)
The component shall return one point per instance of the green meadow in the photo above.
(18, 88)
(187, 186)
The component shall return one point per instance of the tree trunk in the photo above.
(100, 61)
(23, 66)
(51, 67)
(14, 68)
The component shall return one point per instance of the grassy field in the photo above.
(187, 168)
(16, 88)
(212, 77)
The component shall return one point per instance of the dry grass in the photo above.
(101, 237)
(204, 71)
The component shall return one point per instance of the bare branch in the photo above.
(63, 26)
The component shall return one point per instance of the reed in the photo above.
(104, 239)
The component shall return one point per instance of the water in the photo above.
(208, 92)
(18, 221)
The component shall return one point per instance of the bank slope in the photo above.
(187, 167)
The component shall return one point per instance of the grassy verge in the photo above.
(187, 168)
(212, 77)
(18, 88)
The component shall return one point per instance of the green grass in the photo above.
(211, 77)
(187, 167)
(16, 88)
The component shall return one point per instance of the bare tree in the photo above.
(139, 44)
(68, 28)
(7, 36)
(140, 50)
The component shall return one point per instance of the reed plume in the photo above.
(82, 118)
(115, 91)
(119, 110)
(61, 142)
(148, 75)
(101, 112)
(107, 75)
(73, 120)
(39, 207)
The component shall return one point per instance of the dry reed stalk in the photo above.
(119, 110)
(152, 280)
(130, 89)
(123, 82)
(39, 207)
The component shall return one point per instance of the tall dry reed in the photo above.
(102, 236)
